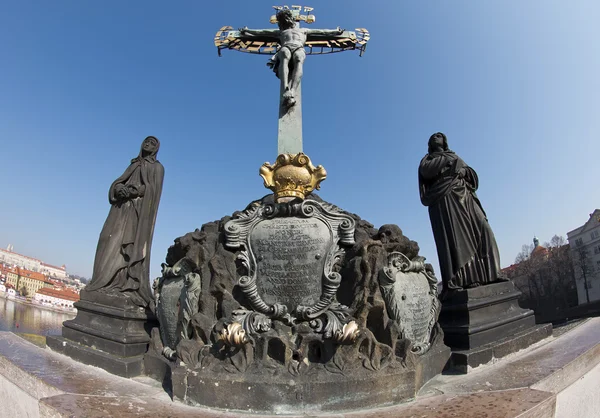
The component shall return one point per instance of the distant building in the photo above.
(21, 278)
(17, 260)
(56, 297)
(53, 271)
(585, 247)
(12, 276)
(10, 258)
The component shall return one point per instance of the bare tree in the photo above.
(523, 274)
(524, 254)
(582, 266)
(556, 241)
(560, 270)
(546, 277)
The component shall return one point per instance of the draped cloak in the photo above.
(123, 252)
(467, 250)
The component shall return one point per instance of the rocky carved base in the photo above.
(318, 376)
(297, 307)
(301, 395)
(287, 371)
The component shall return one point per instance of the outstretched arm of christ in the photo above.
(323, 34)
(267, 35)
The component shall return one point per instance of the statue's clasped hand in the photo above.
(128, 192)
(121, 192)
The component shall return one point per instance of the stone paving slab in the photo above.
(551, 365)
(70, 405)
(523, 403)
(60, 374)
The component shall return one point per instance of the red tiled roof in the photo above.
(10, 270)
(509, 268)
(31, 274)
(25, 273)
(539, 250)
(61, 294)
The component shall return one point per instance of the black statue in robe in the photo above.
(466, 246)
(123, 253)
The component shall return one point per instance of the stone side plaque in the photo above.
(412, 289)
(176, 295)
(289, 250)
(290, 258)
(410, 295)
(167, 309)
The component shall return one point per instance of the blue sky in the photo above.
(513, 84)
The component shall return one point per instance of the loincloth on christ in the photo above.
(274, 61)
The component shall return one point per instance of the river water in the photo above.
(18, 317)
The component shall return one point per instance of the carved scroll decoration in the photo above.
(341, 231)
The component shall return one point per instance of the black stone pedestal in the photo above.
(487, 322)
(463, 360)
(109, 332)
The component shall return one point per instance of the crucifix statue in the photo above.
(288, 47)
(288, 60)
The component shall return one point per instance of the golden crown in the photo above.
(292, 175)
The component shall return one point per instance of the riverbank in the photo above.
(30, 318)
(23, 301)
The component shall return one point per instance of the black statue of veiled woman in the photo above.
(123, 253)
(467, 250)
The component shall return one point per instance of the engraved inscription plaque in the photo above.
(290, 255)
(289, 251)
(412, 291)
(410, 295)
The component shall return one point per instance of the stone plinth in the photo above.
(462, 360)
(109, 332)
(487, 322)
